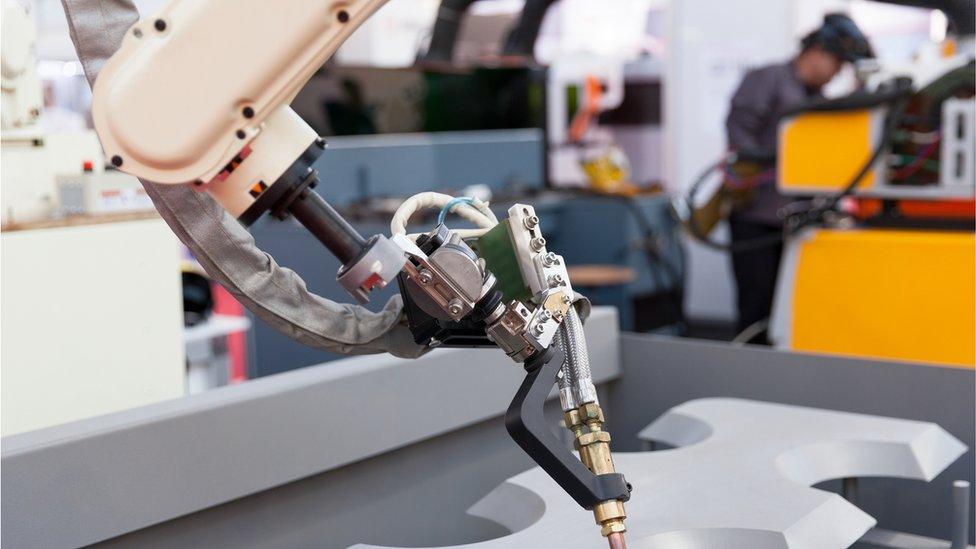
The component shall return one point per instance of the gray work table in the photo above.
(382, 451)
(95, 479)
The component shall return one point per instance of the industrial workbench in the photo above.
(386, 451)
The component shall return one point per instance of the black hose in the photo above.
(894, 118)
(809, 214)
(696, 231)
(521, 39)
(447, 26)
(655, 261)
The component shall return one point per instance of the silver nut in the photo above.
(531, 222)
(455, 306)
(538, 243)
(425, 276)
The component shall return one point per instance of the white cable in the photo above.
(750, 332)
(482, 207)
(477, 212)
(463, 233)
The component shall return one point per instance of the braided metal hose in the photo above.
(567, 389)
(578, 359)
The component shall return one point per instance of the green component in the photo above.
(496, 248)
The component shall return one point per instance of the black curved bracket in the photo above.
(526, 423)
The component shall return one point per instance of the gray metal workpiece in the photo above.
(91, 480)
(740, 478)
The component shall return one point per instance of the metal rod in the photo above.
(617, 541)
(959, 535)
(330, 228)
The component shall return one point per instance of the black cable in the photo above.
(816, 213)
(699, 235)
(812, 211)
(656, 262)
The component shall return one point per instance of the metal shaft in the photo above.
(330, 228)
(960, 515)
(617, 541)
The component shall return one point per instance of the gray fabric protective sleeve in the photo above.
(226, 250)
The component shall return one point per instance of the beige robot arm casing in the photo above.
(192, 85)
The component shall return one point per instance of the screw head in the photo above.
(538, 243)
(160, 25)
(539, 328)
(116, 161)
(455, 306)
(531, 222)
(425, 276)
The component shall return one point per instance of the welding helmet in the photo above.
(840, 36)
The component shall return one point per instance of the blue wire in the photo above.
(450, 204)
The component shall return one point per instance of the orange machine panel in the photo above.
(822, 151)
(891, 294)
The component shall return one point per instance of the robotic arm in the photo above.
(196, 99)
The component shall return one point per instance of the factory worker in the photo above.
(764, 95)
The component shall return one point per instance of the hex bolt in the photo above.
(425, 276)
(538, 243)
(531, 222)
(455, 306)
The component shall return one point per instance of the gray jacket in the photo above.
(225, 249)
(764, 95)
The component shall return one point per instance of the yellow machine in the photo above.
(893, 294)
(896, 277)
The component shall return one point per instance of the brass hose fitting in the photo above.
(593, 444)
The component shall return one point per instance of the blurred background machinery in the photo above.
(395, 125)
(889, 174)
